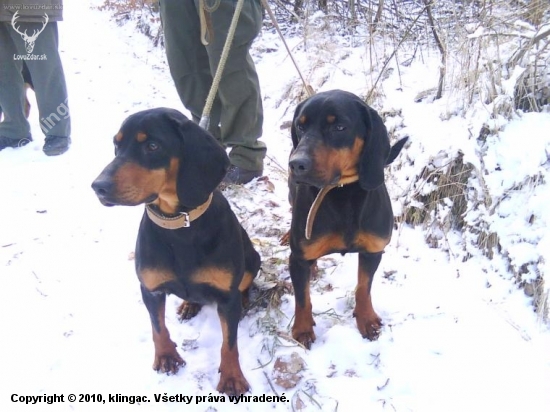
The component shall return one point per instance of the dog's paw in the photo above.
(233, 385)
(302, 330)
(188, 310)
(168, 363)
(305, 339)
(369, 325)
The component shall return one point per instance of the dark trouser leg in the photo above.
(239, 90)
(48, 78)
(238, 105)
(12, 89)
(188, 59)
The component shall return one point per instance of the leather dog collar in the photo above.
(317, 202)
(183, 219)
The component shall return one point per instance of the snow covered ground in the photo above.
(457, 335)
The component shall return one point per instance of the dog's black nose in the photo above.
(102, 187)
(300, 165)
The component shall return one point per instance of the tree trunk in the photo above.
(378, 16)
(441, 48)
(298, 7)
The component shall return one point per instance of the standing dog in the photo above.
(339, 200)
(189, 243)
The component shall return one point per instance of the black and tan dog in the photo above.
(190, 243)
(339, 200)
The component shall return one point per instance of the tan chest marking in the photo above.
(323, 246)
(218, 278)
(370, 243)
(154, 278)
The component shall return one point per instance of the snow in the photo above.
(458, 335)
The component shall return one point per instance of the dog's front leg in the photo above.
(232, 380)
(167, 358)
(368, 322)
(300, 273)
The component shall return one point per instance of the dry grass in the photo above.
(144, 12)
(487, 241)
(126, 6)
(532, 90)
(536, 290)
(449, 188)
(441, 202)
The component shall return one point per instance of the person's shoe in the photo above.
(15, 143)
(238, 176)
(56, 145)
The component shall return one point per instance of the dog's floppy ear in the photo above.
(203, 163)
(293, 126)
(375, 151)
(395, 149)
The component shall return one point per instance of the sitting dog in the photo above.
(189, 243)
(339, 200)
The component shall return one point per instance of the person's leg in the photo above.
(14, 129)
(49, 86)
(187, 58)
(239, 91)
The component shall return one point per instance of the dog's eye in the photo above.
(339, 128)
(300, 127)
(152, 146)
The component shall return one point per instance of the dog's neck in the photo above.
(177, 220)
(320, 196)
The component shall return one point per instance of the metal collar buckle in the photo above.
(186, 219)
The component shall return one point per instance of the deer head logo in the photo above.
(29, 40)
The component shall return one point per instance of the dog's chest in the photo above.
(199, 285)
(347, 221)
(191, 271)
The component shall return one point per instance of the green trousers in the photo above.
(237, 114)
(47, 77)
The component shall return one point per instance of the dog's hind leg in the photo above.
(188, 310)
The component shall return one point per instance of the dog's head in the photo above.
(161, 157)
(338, 138)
